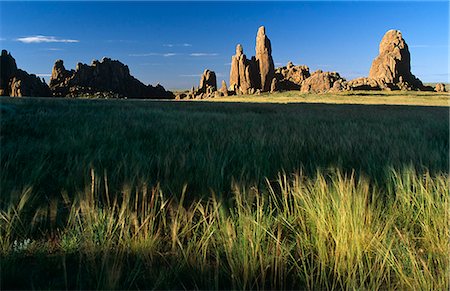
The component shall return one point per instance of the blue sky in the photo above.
(173, 42)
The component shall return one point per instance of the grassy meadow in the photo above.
(242, 194)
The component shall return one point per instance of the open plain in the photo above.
(192, 194)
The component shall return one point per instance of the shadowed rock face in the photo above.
(108, 78)
(264, 59)
(393, 64)
(17, 83)
(7, 68)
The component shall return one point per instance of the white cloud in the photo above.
(154, 54)
(203, 54)
(44, 75)
(177, 44)
(52, 49)
(44, 39)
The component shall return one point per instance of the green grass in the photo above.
(99, 194)
(351, 97)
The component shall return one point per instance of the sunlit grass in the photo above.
(352, 97)
(329, 232)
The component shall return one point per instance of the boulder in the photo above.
(320, 82)
(264, 59)
(440, 87)
(109, 77)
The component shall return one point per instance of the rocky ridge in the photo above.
(106, 78)
(390, 70)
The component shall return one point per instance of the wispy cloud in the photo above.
(2, 39)
(44, 75)
(52, 49)
(227, 64)
(121, 40)
(44, 39)
(154, 54)
(177, 44)
(203, 54)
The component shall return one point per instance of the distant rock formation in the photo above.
(440, 87)
(7, 68)
(254, 75)
(107, 78)
(264, 59)
(320, 82)
(243, 73)
(393, 64)
(206, 89)
(208, 82)
(18, 83)
(290, 77)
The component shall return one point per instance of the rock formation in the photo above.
(108, 78)
(320, 82)
(206, 89)
(224, 89)
(17, 83)
(440, 87)
(393, 64)
(7, 68)
(250, 76)
(290, 77)
(243, 72)
(208, 82)
(264, 59)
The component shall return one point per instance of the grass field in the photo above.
(119, 194)
(354, 97)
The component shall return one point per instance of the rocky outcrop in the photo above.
(18, 83)
(290, 77)
(440, 87)
(208, 82)
(392, 66)
(206, 89)
(23, 84)
(243, 73)
(320, 82)
(7, 68)
(264, 59)
(250, 76)
(107, 78)
(224, 89)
